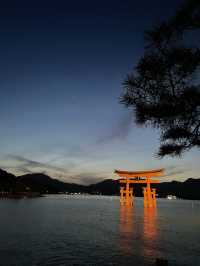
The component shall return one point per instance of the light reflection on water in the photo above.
(131, 229)
(150, 232)
(126, 229)
(98, 231)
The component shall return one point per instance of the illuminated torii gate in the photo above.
(138, 177)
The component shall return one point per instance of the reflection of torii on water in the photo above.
(138, 177)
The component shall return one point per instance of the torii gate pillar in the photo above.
(126, 194)
(142, 177)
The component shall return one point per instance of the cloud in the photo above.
(88, 178)
(19, 165)
(119, 131)
(31, 164)
(172, 171)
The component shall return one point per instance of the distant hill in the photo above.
(7, 181)
(189, 189)
(105, 187)
(35, 183)
(45, 184)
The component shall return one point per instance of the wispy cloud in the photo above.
(32, 164)
(120, 131)
(173, 171)
(88, 178)
(19, 165)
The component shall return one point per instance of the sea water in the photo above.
(96, 230)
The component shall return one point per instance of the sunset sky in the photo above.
(61, 71)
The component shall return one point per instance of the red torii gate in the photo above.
(138, 177)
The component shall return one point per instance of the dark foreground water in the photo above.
(78, 230)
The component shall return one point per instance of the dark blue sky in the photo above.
(61, 68)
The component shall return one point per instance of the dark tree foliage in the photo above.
(164, 88)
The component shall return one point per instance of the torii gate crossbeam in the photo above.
(138, 177)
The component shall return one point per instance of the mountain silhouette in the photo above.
(7, 181)
(43, 184)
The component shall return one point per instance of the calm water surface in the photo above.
(80, 230)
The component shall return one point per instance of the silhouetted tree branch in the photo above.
(164, 89)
